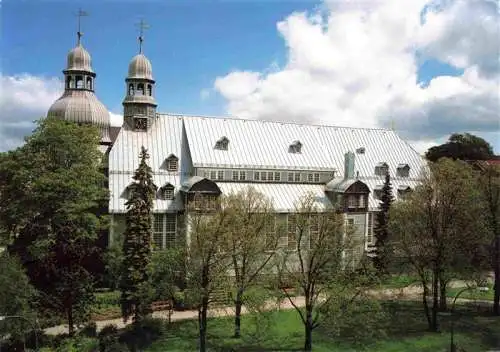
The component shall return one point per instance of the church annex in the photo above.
(218, 155)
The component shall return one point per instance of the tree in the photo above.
(321, 253)
(135, 285)
(489, 181)
(252, 242)
(167, 268)
(208, 259)
(464, 146)
(53, 198)
(17, 297)
(441, 230)
(383, 251)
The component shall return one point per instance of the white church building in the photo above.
(219, 155)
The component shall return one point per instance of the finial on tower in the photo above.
(79, 33)
(142, 26)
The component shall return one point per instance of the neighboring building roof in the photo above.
(285, 197)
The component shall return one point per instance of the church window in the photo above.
(79, 82)
(140, 89)
(131, 90)
(150, 90)
(381, 169)
(140, 124)
(69, 82)
(222, 143)
(89, 83)
(172, 163)
(295, 147)
(167, 192)
(403, 170)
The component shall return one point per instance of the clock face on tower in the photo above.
(140, 124)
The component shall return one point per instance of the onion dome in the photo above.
(140, 68)
(79, 60)
(82, 106)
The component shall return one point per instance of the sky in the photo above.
(426, 68)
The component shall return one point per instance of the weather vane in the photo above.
(142, 26)
(80, 14)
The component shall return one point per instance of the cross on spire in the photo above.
(142, 26)
(80, 14)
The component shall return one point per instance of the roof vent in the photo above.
(360, 150)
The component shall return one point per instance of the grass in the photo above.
(107, 305)
(472, 294)
(400, 281)
(404, 325)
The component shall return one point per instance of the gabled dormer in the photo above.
(166, 192)
(403, 170)
(381, 169)
(403, 191)
(171, 163)
(295, 147)
(222, 143)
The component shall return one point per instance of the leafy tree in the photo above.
(489, 181)
(464, 146)
(167, 270)
(17, 297)
(383, 251)
(321, 252)
(54, 195)
(441, 230)
(208, 257)
(113, 259)
(135, 285)
(252, 242)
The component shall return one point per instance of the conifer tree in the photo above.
(382, 251)
(135, 283)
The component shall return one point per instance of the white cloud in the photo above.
(356, 64)
(24, 99)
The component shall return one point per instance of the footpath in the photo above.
(411, 292)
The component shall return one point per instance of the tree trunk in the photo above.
(435, 301)
(308, 329)
(237, 317)
(496, 293)
(442, 295)
(202, 323)
(71, 324)
(426, 306)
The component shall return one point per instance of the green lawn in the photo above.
(404, 324)
(473, 294)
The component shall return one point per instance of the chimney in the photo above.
(349, 165)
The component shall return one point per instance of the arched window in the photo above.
(79, 82)
(140, 89)
(150, 90)
(69, 82)
(89, 83)
(131, 89)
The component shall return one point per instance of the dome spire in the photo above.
(142, 26)
(79, 33)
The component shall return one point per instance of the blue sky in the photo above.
(223, 48)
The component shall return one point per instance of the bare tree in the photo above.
(441, 230)
(321, 251)
(252, 241)
(208, 258)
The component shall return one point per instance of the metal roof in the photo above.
(79, 60)
(285, 197)
(140, 68)
(118, 183)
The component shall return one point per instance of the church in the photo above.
(213, 156)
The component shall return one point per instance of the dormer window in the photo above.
(167, 192)
(378, 191)
(172, 163)
(403, 170)
(360, 150)
(222, 143)
(381, 169)
(295, 147)
(403, 191)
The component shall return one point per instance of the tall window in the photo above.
(131, 90)
(313, 229)
(69, 82)
(270, 232)
(79, 82)
(140, 89)
(361, 201)
(351, 201)
(89, 83)
(150, 90)
(164, 231)
(369, 233)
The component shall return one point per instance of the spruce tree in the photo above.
(382, 251)
(135, 283)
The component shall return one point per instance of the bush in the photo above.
(139, 336)
(108, 337)
(79, 344)
(179, 300)
(89, 330)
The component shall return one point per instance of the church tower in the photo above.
(139, 105)
(79, 102)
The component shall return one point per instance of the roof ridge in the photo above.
(228, 117)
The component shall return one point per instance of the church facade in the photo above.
(213, 156)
